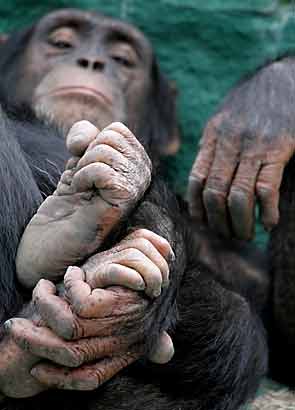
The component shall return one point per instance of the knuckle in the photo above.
(100, 376)
(237, 197)
(142, 232)
(163, 266)
(121, 129)
(218, 182)
(154, 277)
(102, 277)
(82, 126)
(39, 289)
(212, 196)
(74, 328)
(135, 254)
(108, 136)
(117, 126)
(209, 133)
(111, 273)
(101, 148)
(196, 178)
(73, 356)
(143, 244)
(265, 191)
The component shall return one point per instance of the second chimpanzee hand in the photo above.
(99, 348)
(91, 333)
(25, 374)
(243, 153)
(109, 173)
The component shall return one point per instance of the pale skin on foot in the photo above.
(107, 175)
(138, 262)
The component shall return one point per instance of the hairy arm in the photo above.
(243, 153)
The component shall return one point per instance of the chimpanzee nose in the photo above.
(95, 64)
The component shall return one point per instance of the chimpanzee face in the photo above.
(74, 65)
(81, 65)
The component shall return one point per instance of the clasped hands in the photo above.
(80, 333)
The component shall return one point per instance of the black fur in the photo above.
(220, 343)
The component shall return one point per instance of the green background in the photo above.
(204, 45)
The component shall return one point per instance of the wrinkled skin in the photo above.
(84, 66)
(86, 324)
(88, 311)
(243, 153)
(211, 322)
(138, 262)
(103, 182)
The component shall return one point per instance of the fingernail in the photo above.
(172, 256)
(156, 293)
(7, 325)
(166, 283)
(34, 372)
(141, 286)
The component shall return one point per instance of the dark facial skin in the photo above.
(81, 65)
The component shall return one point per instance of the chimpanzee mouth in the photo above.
(79, 91)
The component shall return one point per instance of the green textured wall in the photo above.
(205, 46)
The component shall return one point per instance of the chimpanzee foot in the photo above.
(107, 175)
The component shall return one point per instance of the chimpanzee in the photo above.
(246, 156)
(75, 65)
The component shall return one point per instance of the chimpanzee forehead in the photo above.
(92, 20)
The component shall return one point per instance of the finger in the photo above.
(164, 350)
(148, 249)
(109, 315)
(72, 163)
(267, 190)
(241, 200)
(42, 342)
(128, 136)
(218, 184)
(151, 274)
(124, 142)
(100, 175)
(80, 136)
(53, 310)
(105, 154)
(117, 275)
(87, 377)
(97, 303)
(200, 172)
(160, 243)
(64, 185)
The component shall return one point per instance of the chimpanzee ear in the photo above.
(3, 38)
(161, 116)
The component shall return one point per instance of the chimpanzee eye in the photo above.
(62, 38)
(61, 44)
(123, 61)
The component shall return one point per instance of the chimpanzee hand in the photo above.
(88, 324)
(17, 364)
(243, 153)
(108, 175)
(25, 374)
(99, 348)
(138, 262)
